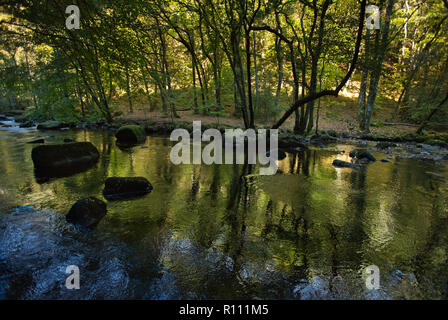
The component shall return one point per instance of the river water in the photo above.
(223, 231)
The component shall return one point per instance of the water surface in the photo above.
(223, 231)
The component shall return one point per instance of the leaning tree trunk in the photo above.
(437, 108)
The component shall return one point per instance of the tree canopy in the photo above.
(258, 60)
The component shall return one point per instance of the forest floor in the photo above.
(340, 117)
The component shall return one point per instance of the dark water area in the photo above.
(223, 231)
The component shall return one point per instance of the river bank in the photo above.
(430, 145)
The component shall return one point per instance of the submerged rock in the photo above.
(64, 156)
(126, 187)
(130, 134)
(50, 125)
(344, 164)
(362, 154)
(87, 212)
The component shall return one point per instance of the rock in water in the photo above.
(87, 212)
(362, 154)
(50, 125)
(385, 145)
(291, 142)
(344, 164)
(126, 187)
(131, 134)
(54, 160)
(37, 141)
(280, 154)
(26, 124)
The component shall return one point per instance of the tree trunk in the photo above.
(128, 89)
(381, 44)
(195, 98)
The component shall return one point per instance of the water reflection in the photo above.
(223, 231)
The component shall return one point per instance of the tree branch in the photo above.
(336, 91)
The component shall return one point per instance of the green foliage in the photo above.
(179, 55)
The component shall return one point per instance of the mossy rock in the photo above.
(131, 134)
(64, 155)
(26, 124)
(332, 133)
(343, 164)
(411, 137)
(117, 188)
(385, 145)
(291, 142)
(50, 125)
(87, 212)
(322, 139)
(361, 154)
(436, 142)
(22, 118)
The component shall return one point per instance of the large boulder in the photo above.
(344, 164)
(87, 212)
(131, 134)
(50, 125)
(54, 160)
(126, 187)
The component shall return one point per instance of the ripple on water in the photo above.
(37, 246)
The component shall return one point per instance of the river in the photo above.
(223, 231)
